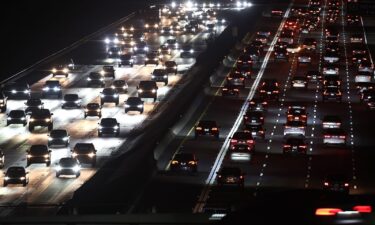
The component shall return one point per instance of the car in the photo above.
(187, 51)
(2, 159)
(93, 109)
(152, 58)
(253, 52)
(295, 145)
(294, 128)
(160, 75)
(58, 137)
(243, 70)
(253, 118)
(184, 161)
(352, 19)
(109, 95)
(52, 88)
(366, 95)
(141, 48)
(366, 66)
(330, 69)
(165, 50)
(277, 13)
(297, 113)
(245, 60)
(120, 86)
(68, 166)
(230, 175)
(114, 52)
(299, 82)
(337, 182)
(170, 67)
(235, 79)
(84, 153)
(240, 152)
(108, 71)
(332, 47)
(134, 104)
(61, 70)
(172, 43)
(16, 175)
(41, 117)
(109, 126)
(286, 38)
(293, 48)
(95, 79)
(357, 58)
(356, 38)
(38, 154)
(332, 93)
(331, 57)
(362, 86)
(371, 104)
(71, 101)
(126, 60)
(331, 121)
(206, 127)
(363, 77)
(281, 53)
(16, 117)
(168, 31)
(332, 39)
(147, 89)
(281, 44)
(359, 49)
(3, 102)
(230, 90)
(258, 103)
(304, 57)
(334, 136)
(33, 104)
(241, 137)
(314, 75)
(257, 131)
(269, 89)
(262, 38)
(332, 81)
(16, 90)
(190, 29)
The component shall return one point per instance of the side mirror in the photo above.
(27, 172)
(49, 151)
(51, 114)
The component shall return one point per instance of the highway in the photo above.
(44, 189)
(269, 169)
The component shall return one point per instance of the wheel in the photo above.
(131, 65)
(66, 144)
(8, 124)
(24, 183)
(28, 163)
(24, 124)
(31, 128)
(57, 174)
(78, 174)
(48, 163)
(5, 183)
(99, 134)
(100, 115)
(126, 111)
(63, 107)
(50, 127)
(66, 76)
(117, 103)
(217, 136)
(141, 111)
(117, 134)
(165, 82)
(93, 164)
(155, 99)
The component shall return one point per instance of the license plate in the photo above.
(230, 180)
(206, 129)
(253, 121)
(269, 92)
(253, 133)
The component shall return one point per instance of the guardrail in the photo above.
(65, 50)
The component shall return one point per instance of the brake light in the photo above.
(192, 162)
(262, 91)
(302, 146)
(198, 128)
(214, 128)
(301, 127)
(327, 136)
(327, 211)
(287, 126)
(233, 141)
(363, 208)
(250, 141)
(174, 162)
(241, 177)
(346, 185)
(342, 137)
(326, 183)
(261, 118)
(303, 116)
(276, 91)
(286, 146)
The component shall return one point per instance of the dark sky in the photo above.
(33, 29)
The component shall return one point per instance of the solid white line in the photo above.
(220, 157)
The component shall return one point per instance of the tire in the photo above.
(131, 65)
(118, 134)
(126, 111)
(50, 127)
(155, 99)
(8, 124)
(48, 163)
(24, 183)
(141, 111)
(117, 103)
(78, 174)
(5, 184)
(99, 134)
(57, 175)
(24, 124)
(93, 164)
(166, 83)
(31, 128)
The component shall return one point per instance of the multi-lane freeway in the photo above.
(298, 39)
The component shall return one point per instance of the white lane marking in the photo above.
(354, 176)
(220, 157)
(365, 36)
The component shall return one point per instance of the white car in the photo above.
(335, 136)
(331, 57)
(363, 76)
(294, 128)
(330, 70)
(304, 58)
(366, 66)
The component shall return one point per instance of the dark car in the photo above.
(109, 126)
(258, 103)
(126, 60)
(16, 117)
(170, 67)
(58, 137)
(52, 88)
(95, 79)
(71, 101)
(337, 182)
(235, 79)
(141, 48)
(295, 145)
(68, 166)
(245, 60)
(281, 53)
(187, 51)
(134, 104)
(269, 89)
(296, 113)
(332, 93)
(207, 127)
(17, 90)
(152, 58)
(16, 175)
(3, 102)
(231, 175)
(114, 52)
(38, 154)
(93, 109)
(184, 162)
(243, 70)
(160, 75)
(33, 104)
(147, 89)
(314, 75)
(108, 71)
(332, 81)
(256, 131)
(366, 95)
(61, 70)
(120, 86)
(253, 118)
(242, 138)
(42, 117)
(230, 90)
(109, 95)
(85, 153)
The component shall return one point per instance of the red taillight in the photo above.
(363, 208)
(241, 177)
(327, 211)
(214, 128)
(250, 141)
(342, 137)
(327, 136)
(286, 146)
(303, 116)
(346, 185)
(233, 141)
(302, 146)
(326, 183)
(261, 118)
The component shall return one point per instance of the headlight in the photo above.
(29, 156)
(46, 156)
(65, 70)
(102, 95)
(115, 95)
(165, 76)
(152, 76)
(107, 41)
(115, 127)
(14, 91)
(77, 101)
(47, 120)
(76, 168)
(6, 178)
(140, 91)
(191, 50)
(56, 88)
(88, 78)
(22, 178)
(23, 118)
(65, 138)
(153, 91)
(63, 101)
(54, 70)
(100, 127)
(32, 119)
(74, 154)
(127, 105)
(50, 139)
(124, 87)
(140, 106)
(102, 72)
(9, 118)
(98, 110)
(145, 48)
(131, 60)
(91, 154)
(101, 79)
